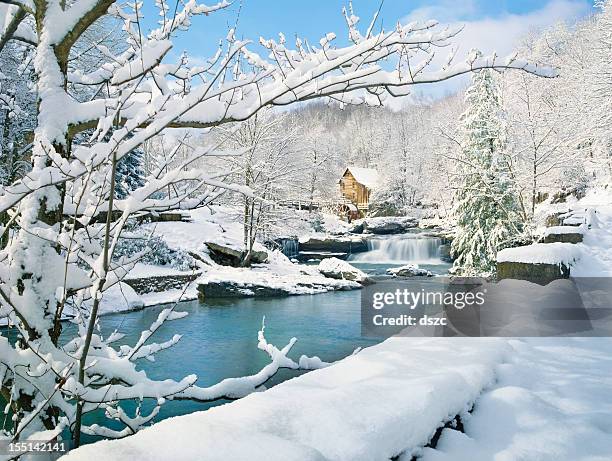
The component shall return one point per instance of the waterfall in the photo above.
(289, 247)
(402, 250)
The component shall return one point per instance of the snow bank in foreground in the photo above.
(386, 400)
(552, 402)
(542, 253)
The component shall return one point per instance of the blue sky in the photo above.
(489, 25)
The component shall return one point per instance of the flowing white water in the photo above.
(289, 247)
(402, 250)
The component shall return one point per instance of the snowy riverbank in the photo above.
(212, 225)
(544, 399)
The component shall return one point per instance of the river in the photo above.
(219, 337)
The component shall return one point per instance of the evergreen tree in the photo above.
(486, 202)
(130, 173)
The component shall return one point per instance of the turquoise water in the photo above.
(220, 338)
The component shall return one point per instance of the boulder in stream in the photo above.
(337, 269)
(409, 270)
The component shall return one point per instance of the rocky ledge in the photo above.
(329, 244)
(540, 273)
(540, 262)
(385, 225)
(159, 283)
(227, 256)
(240, 289)
(563, 234)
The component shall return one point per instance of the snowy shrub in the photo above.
(157, 252)
(317, 223)
(385, 202)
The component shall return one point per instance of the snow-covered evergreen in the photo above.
(130, 173)
(486, 207)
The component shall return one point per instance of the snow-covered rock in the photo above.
(542, 253)
(337, 269)
(540, 262)
(385, 225)
(409, 270)
(228, 256)
(563, 234)
(332, 224)
(279, 277)
(333, 244)
(118, 298)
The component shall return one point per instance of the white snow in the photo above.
(333, 224)
(170, 296)
(542, 253)
(597, 243)
(551, 402)
(562, 230)
(118, 298)
(214, 224)
(366, 176)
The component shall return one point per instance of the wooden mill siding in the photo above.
(354, 191)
